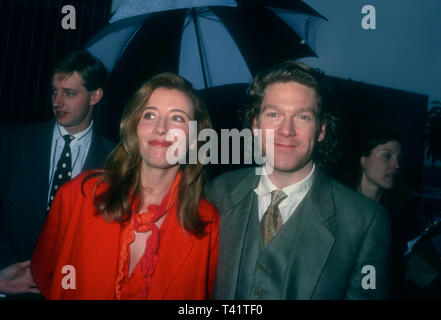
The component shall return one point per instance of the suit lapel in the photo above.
(233, 226)
(314, 240)
(93, 155)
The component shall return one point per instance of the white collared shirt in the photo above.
(79, 148)
(295, 192)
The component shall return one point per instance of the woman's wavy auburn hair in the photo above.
(294, 71)
(121, 171)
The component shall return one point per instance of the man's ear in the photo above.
(95, 96)
(362, 161)
(322, 133)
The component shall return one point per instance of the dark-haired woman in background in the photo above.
(139, 229)
(379, 163)
(376, 174)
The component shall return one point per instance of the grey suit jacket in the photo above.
(341, 231)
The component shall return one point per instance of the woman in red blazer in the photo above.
(140, 228)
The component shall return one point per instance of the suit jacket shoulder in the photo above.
(231, 187)
(99, 149)
(360, 228)
(354, 208)
(232, 178)
(105, 143)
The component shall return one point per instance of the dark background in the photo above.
(32, 40)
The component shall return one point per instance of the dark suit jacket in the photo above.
(340, 232)
(25, 153)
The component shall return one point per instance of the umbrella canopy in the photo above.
(132, 8)
(209, 45)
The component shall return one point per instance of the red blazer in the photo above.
(74, 236)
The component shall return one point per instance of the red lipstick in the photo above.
(160, 143)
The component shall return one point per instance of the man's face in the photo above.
(290, 109)
(72, 103)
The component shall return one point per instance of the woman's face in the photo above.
(166, 109)
(381, 167)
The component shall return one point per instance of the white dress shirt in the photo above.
(79, 148)
(295, 192)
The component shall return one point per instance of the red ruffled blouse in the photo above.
(136, 285)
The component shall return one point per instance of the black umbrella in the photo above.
(208, 45)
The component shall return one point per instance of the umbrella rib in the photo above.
(205, 13)
(187, 21)
(126, 43)
(198, 38)
(209, 18)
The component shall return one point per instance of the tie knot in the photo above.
(68, 139)
(277, 196)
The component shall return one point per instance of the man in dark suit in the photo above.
(35, 157)
(293, 232)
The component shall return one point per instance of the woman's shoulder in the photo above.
(208, 211)
(87, 182)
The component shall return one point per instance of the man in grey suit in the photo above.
(293, 232)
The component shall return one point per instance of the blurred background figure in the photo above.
(39, 157)
(375, 172)
(378, 166)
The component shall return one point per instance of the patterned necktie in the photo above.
(63, 172)
(272, 219)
